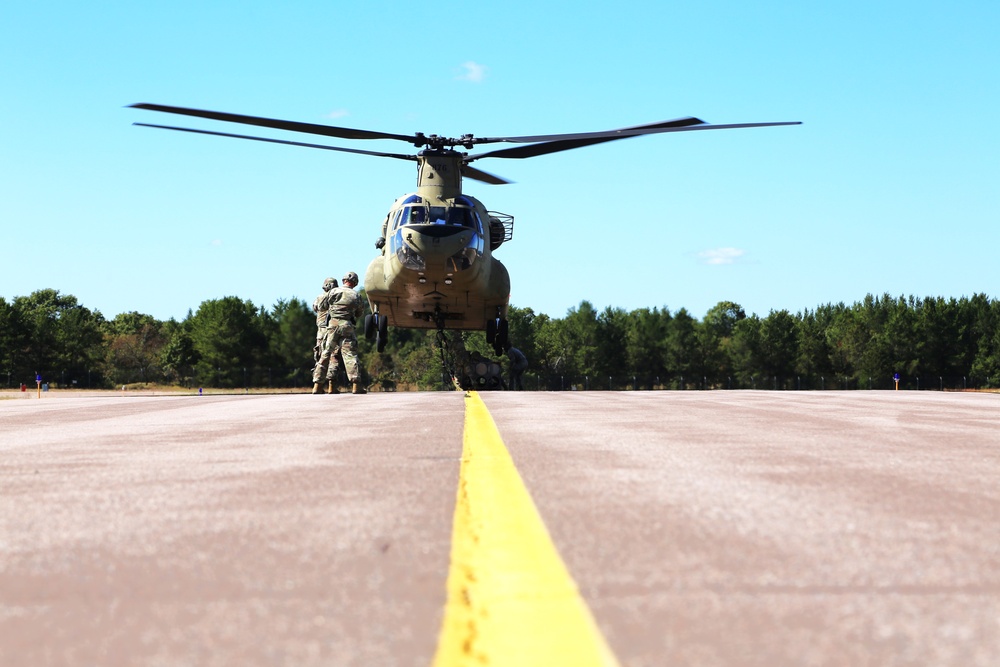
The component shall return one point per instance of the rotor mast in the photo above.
(439, 174)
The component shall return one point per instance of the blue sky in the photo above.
(892, 184)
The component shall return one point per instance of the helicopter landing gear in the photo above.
(382, 333)
(498, 334)
(377, 329)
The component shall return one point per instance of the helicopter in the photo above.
(435, 268)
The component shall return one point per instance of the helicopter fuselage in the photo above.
(436, 268)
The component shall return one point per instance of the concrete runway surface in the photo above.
(701, 528)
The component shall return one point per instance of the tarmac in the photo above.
(742, 528)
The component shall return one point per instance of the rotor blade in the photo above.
(292, 126)
(565, 142)
(480, 175)
(639, 129)
(282, 141)
(601, 137)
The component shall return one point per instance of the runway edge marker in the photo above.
(510, 598)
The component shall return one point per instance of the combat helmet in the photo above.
(350, 277)
(329, 284)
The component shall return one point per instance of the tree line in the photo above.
(931, 343)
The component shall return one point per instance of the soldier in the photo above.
(518, 364)
(345, 308)
(322, 370)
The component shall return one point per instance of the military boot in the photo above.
(331, 388)
(317, 388)
(358, 388)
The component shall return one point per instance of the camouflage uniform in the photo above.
(326, 367)
(345, 307)
(518, 364)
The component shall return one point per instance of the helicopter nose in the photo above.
(436, 241)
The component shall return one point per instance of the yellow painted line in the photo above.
(511, 600)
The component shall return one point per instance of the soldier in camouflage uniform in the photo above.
(323, 370)
(518, 364)
(345, 308)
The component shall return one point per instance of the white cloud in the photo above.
(717, 256)
(472, 71)
(337, 113)
(216, 243)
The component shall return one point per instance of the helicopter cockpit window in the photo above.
(453, 215)
(461, 216)
(413, 215)
(411, 212)
(469, 217)
(439, 215)
(465, 257)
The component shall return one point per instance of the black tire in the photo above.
(383, 327)
(503, 336)
(491, 331)
(370, 326)
(381, 333)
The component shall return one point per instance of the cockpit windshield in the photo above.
(415, 211)
(414, 215)
(412, 212)
(441, 222)
(441, 215)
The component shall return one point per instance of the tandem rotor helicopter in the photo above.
(436, 268)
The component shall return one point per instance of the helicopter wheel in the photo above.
(370, 326)
(502, 337)
(491, 331)
(382, 336)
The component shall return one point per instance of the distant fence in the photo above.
(248, 377)
(291, 378)
(555, 382)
